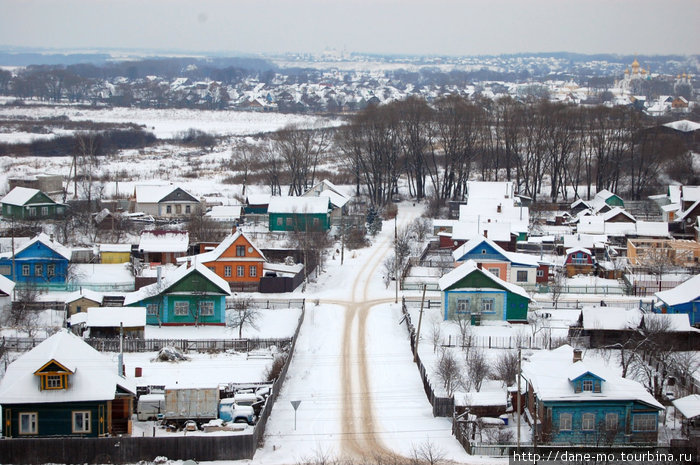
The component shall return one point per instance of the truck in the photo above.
(231, 411)
(194, 403)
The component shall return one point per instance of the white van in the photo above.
(150, 406)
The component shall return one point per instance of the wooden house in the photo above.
(337, 199)
(82, 299)
(164, 201)
(299, 214)
(115, 253)
(160, 246)
(42, 261)
(605, 197)
(574, 403)
(190, 295)
(257, 204)
(23, 203)
(579, 261)
(236, 260)
(519, 268)
(684, 298)
(64, 387)
(107, 322)
(475, 293)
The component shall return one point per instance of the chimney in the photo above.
(51, 237)
(159, 276)
(578, 355)
(189, 262)
(498, 209)
(486, 233)
(479, 265)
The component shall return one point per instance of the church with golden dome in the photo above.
(637, 73)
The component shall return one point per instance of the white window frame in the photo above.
(495, 271)
(227, 271)
(33, 419)
(649, 422)
(181, 308)
(26, 270)
(40, 268)
(81, 421)
(460, 303)
(488, 305)
(206, 308)
(152, 309)
(587, 385)
(253, 271)
(32, 211)
(240, 251)
(44, 211)
(540, 273)
(240, 271)
(588, 422)
(518, 275)
(565, 421)
(612, 421)
(51, 270)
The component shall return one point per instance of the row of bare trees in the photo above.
(438, 145)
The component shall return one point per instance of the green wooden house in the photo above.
(190, 295)
(605, 198)
(23, 203)
(64, 387)
(479, 295)
(299, 213)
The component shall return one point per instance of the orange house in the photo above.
(237, 260)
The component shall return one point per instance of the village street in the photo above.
(361, 395)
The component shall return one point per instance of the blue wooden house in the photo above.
(189, 295)
(684, 298)
(64, 387)
(575, 403)
(480, 295)
(42, 261)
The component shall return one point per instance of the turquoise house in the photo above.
(684, 298)
(299, 213)
(578, 404)
(472, 291)
(189, 295)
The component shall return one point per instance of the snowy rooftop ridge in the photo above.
(212, 255)
(303, 205)
(19, 196)
(684, 292)
(113, 317)
(470, 266)
(54, 245)
(164, 241)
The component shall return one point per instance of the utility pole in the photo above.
(420, 320)
(342, 236)
(14, 269)
(396, 259)
(520, 362)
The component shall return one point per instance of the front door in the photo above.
(101, 421)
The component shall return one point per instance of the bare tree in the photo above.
(448, 372)
(477, 368)
(557, 286)
(243, 314)
(506, 367)
(427, 453)
(22, 314)
(436, 335)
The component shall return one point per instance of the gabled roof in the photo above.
(173, 278)
(42, 238)
(221, 248)
(84, 293)
(19, 196)
(580, 369)
(469, 267)
(155, 193)
(257, 199)
(688, 211)
(683, 293)
(690, 193)
(326, 188)
(617, 211)
(610, 318)
(468, 229)
(95, 375)
(6, 285)
(578, 202)
(578, 249)
(513, 257)
(300, 205)
(689, 406)
(672, 322)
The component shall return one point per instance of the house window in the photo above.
(462, 305)
(81, 422)
(279, 221)
(178, 209)
(588, 422)
(288, 221)
(521, 276)
(495, 271)
(32, 211)
(240, 271)
(212, 268)
(152, 309)
(28, 423)
(564, 422)
(540, 273)
(588, 385)
(25, 270)
(44, 211)
(53, 382)
(206, 308)
(611, 421)
(188, 209)
(487, 306)
(596, 386)
(50, 270)
(252, 271)
(168, 209)
(483, 251)
(315, 221)
(59, 210)
(182, 308)
(38, 269)
(227, 271)
(240, 251)
(5, 270)
(644, 422)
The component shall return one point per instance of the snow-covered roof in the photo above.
(578, 202)
(6, 285)
(610, 318)
(164, 241)
(84, 293)
(652, 228)
(683, 293)
(683, 125)
(688, 211)
(588, 241)
(113, 317)
(616, 211)
(578, 249)
(480, 398)
(469, 267)
(19, 196)
(173, 278)
(487, 211)
(258, 199)
(672, 322)
(468, 229)
(94, 376)
(326, 188)
(674, 193)
(214, 254)
(691, 193)
(513, 257)
(225, 212)
(154, 193)
(122, 248)
(689, 406)
(54, 245)
(489, 190)
(548, 373)
(305, 205)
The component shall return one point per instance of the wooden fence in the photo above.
(442, 406)
(136, 449)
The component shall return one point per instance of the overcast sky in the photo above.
(376, 26)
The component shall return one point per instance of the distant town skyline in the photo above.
(438, 27)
